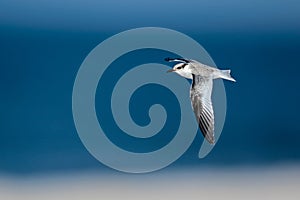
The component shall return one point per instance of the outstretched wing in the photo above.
(201, 101)
(177, 60)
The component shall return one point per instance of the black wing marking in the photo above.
(200, 95)
(177, 60)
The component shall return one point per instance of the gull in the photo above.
(201, 89)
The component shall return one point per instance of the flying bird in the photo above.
(201, 89)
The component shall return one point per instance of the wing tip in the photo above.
(211, 140)
(208, 134)
(168, 59)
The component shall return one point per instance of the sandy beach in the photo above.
(246, 183)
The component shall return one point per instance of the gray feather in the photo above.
(200, 95)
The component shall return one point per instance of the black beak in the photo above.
(170, 70)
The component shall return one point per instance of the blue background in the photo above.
(43, 43)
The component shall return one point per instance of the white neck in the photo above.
(185, 73)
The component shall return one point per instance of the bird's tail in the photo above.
(225, 74)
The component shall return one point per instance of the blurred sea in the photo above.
(38, 69)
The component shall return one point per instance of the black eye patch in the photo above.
(185, 64)
(182, 66)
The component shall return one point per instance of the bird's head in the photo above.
(178, 67)
(182, 70)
